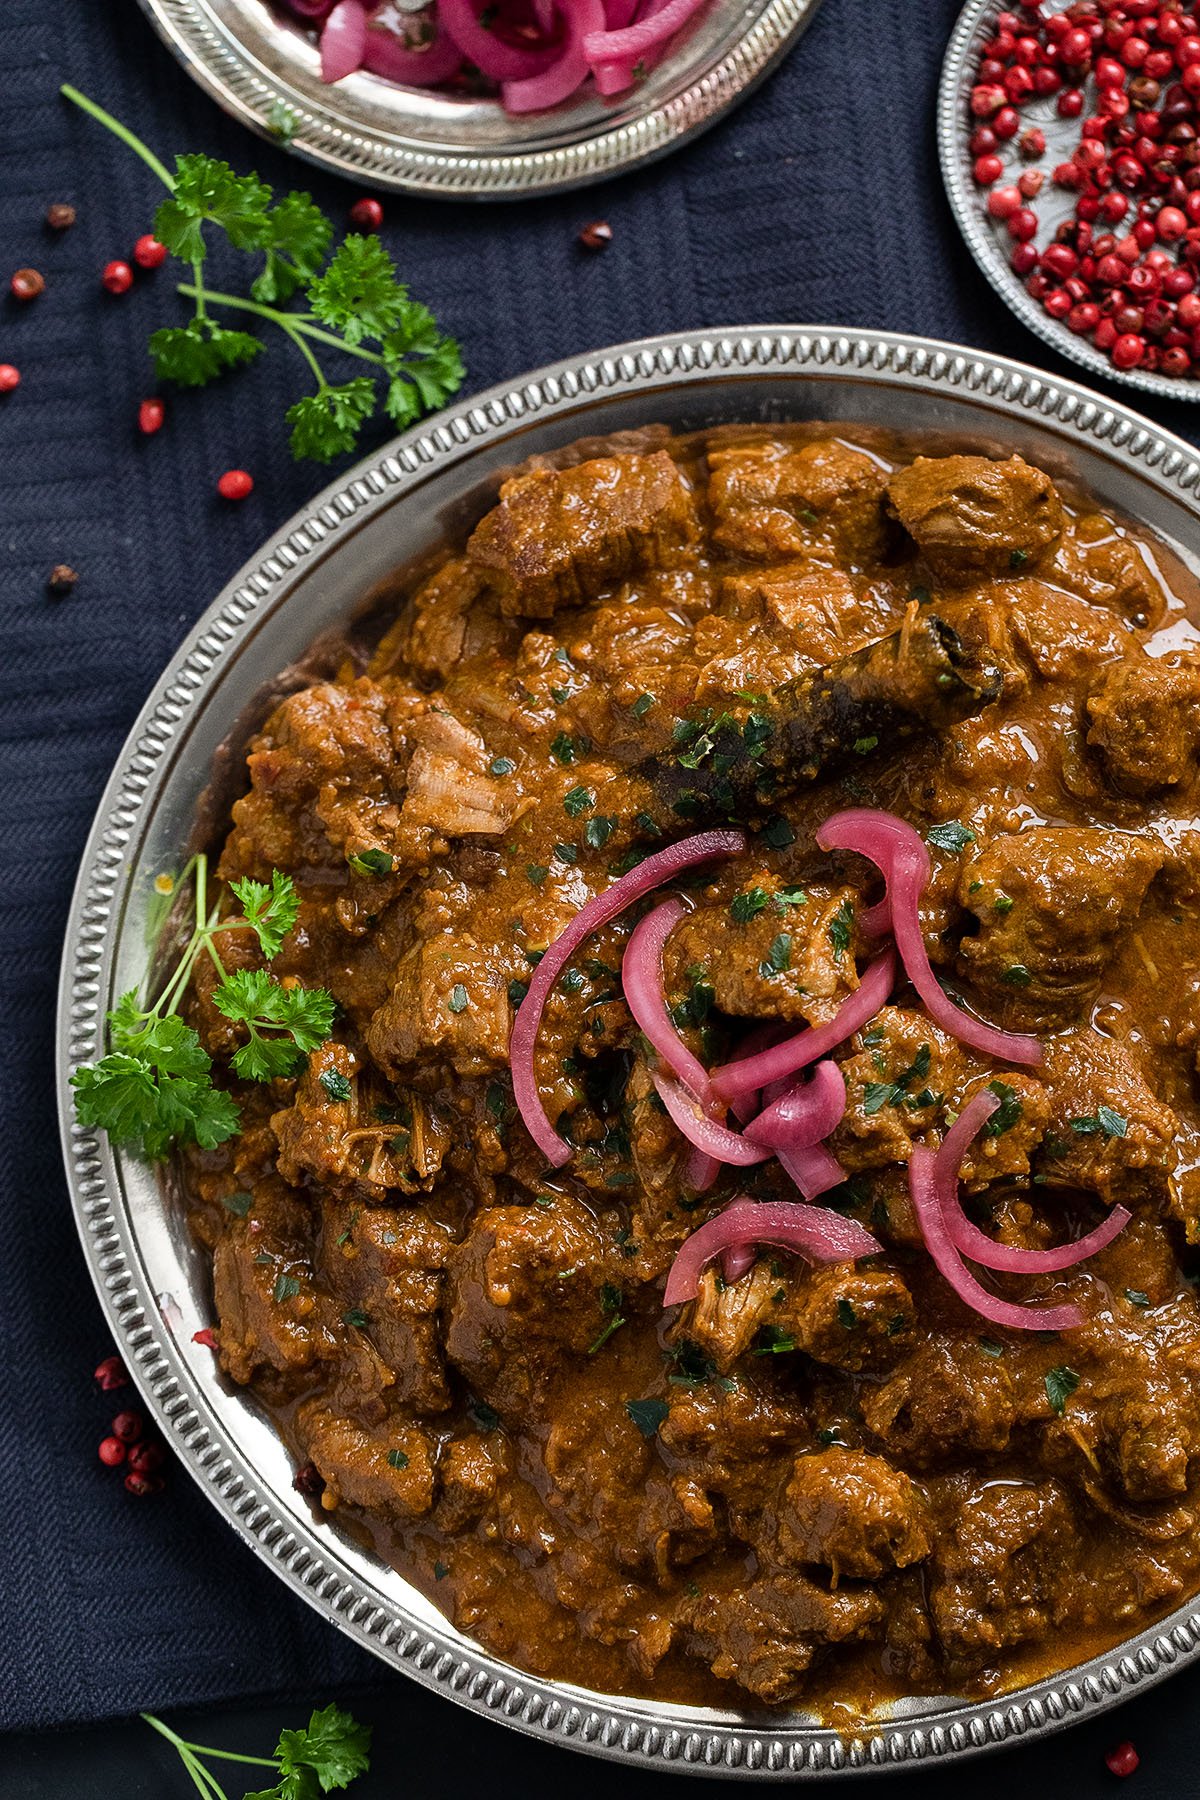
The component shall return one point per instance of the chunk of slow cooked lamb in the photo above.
(1144, 723)
(847, 1511)
(558, 536)
(386, 1268)
(1002, 1573)
(524, 1288)
(1107, 1132)
(1052, 904)
(767, 1635)
(772, 501)
(971, 516)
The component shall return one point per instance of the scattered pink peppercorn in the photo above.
(150, 416)
(110, 1374)
(207, 1337)
(148, 253)
(27, 284)
(146, 1459)
(366, 215)
(117, 277)
(1122, 1759)
(235, 484)
(142, 1485)
(111, 1452)
(988, 169)
(1128, 351)
(128, 1426)
(10, 377)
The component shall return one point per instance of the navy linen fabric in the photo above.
(817, 201)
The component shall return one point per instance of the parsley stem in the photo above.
(292, 323)
(122, 131)
(260, 1762)
(206, 1784)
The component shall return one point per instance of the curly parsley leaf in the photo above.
(328, 422)
(271, 912)
(300, 235)
(330, 1752)
(206, 191)
(154, 1087)
(358, 293)
(282, 1023)
(193, 355)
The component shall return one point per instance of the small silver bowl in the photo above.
(988, 239)
(263, 68)
(313, 573)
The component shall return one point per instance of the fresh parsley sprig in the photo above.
(155, 1089)
(325, 1756)
(354, 303)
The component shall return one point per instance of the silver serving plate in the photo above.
(254, 60)
(989, 241)
(311, 575)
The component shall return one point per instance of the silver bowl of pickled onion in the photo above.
(479, 99)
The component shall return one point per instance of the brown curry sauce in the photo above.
(847, 1487)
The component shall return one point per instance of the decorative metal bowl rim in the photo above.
(328, 134)
(964, 202)
(635, 1731)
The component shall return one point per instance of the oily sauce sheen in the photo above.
(834, 1486)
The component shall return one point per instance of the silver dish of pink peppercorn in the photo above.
(1101, 113)
(313, 573)
(263, 68)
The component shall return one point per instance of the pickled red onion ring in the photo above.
(631, 44)
(750, 1072)
(805, 1114)
(976, 1244)
(703, 847)
(706, 1133)
(642, 981)
(899, 853)
(813, 1168)
(343, 40)
(811, 1231)
(558, 81)
(492, 56)
(385, 55)
(935, 1229)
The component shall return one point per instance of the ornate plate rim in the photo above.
(641, 1732)
(327, 135)
(964, 203)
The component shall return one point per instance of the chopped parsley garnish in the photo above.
(701, 997)
(440, 1571)
(828, 1435)
(1008, 1111)
(560, 696)
(841, 927)
(238, 1204)
(642, 705)
(878, 1094)
(577, 801)
(372, 862)
(483, 1415)
(692, 1364)
(354, 1315)
(990, 1347)
(951, 836)
(1104, 1121)
(1003, 905)
(598, 830)
(286, 1288)
(566, 749)
(1017, 976)
(779, 957)
(646, 825)
(1061, 1383)
(501, 765)
(863, 746)
(567, 853)
(776, 1341)
(1018, 558)
(744, 907)
(846, 1315)
(517, 991)
(335, 1084)
(647, 1415)
(536, 873)
(397, 1459)
(459, 998)
(1136, 1297)
(778, 833)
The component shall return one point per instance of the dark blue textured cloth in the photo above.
(817, 201)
